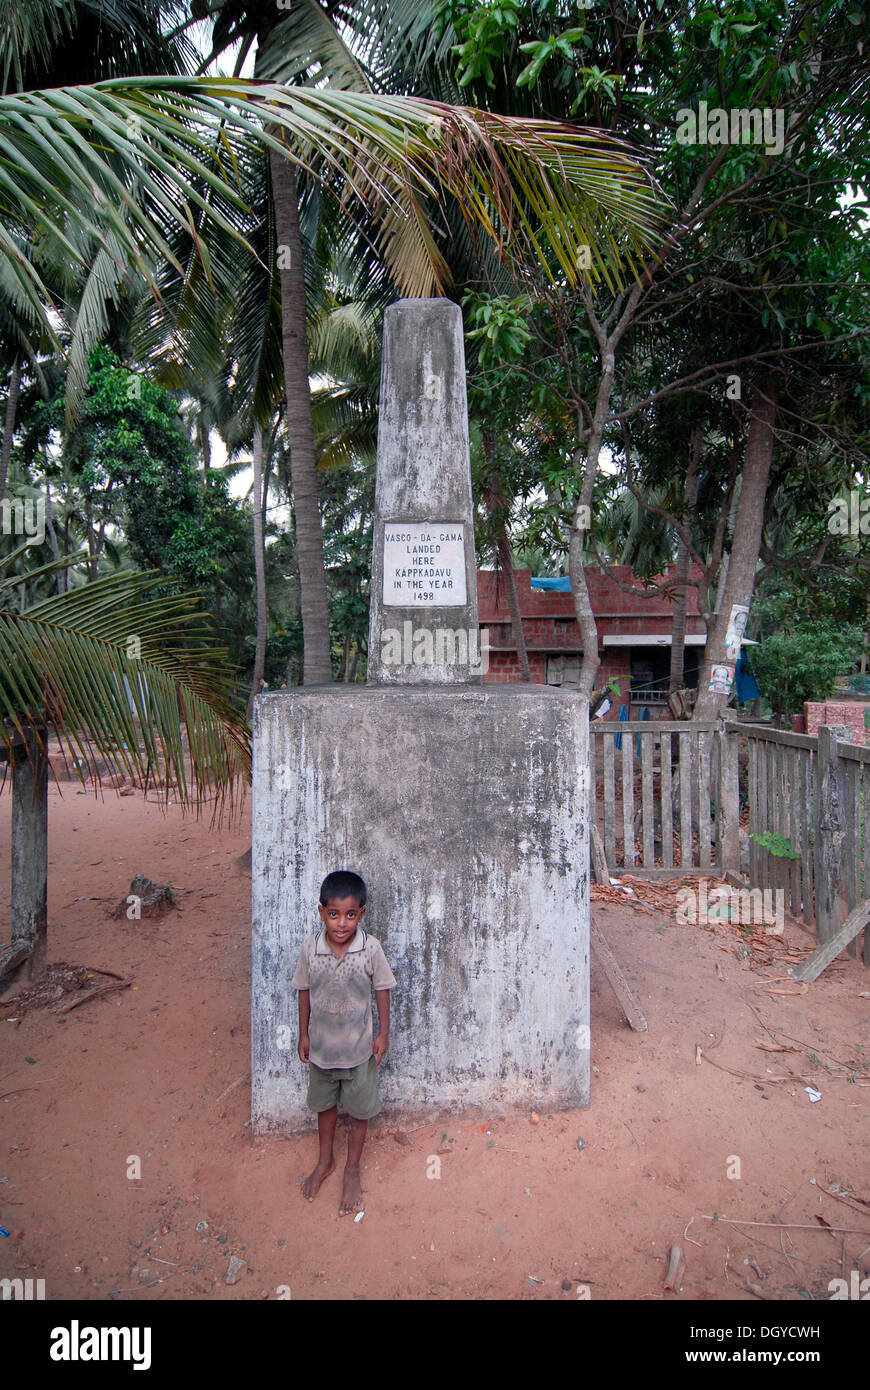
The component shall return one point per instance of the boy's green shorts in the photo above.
(356, 1088)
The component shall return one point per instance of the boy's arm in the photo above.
(382, 1041)
(304, 1016)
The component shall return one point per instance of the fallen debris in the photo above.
(154, 899)
(616, 979)
(60, 979)
(676, 1269)
(759, 1293)
(786, 1225)
(92, 994)
(829, 950)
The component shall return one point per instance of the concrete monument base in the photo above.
(465, 809)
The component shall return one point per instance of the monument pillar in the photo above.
(423, 627)
(463, 805)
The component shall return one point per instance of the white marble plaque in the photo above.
(424, 564)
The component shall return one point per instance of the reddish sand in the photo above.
(160, 1071)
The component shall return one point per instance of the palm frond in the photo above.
(306, 48)
(521, 180)
(131, 675)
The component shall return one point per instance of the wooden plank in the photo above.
(599, 859)
(866, 885)
(727, 803)
(766, 734)
(611, 727)
(703, 745)
(761, 733)
(760, 803)
(854, 752)
(816, 794)
(666, 789)
(772, 804)
(865, 811)
(646, 799)
(11, 959)
(628, 855)
(853, 839)
(760, 876)
(753, 809)
(783, 866)
(806, 797)
(830, 824)
(686, 858)
(794, 897)
(653, 875)
(610, 801)
(616, 979)
(813, 966)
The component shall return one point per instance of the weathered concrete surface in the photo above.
(465, 810)
(423, 475)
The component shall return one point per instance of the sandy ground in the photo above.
(159, 1071)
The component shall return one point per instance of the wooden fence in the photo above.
(674, 797)
(815, 794)
(655, 788)
(777, 786)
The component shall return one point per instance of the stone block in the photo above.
(465, 810)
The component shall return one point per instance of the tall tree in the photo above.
(303, 45)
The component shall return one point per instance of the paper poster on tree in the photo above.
(721, 680)
(736, 628)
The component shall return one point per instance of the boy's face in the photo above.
(341, 917)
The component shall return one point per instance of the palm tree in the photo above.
(103, 179)
(114, 670)
(301, 44)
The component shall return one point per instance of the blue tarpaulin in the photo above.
(745, 684)
(623, 719)
(644, 714)
(562, 585)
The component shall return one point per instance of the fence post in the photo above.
(831, 833)
(727, 804)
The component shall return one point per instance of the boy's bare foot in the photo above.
(351, 1193)
(319, 1174)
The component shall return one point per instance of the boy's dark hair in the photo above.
(343, 884)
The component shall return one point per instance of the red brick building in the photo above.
(635, 626)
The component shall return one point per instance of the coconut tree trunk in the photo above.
(259, 567)
(678, 640)
(52, 540)
(30, 854)
(317, 660)
(746, 543)
(204, 434)
(497, 509)
(9, 423)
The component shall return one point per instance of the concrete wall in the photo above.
(465, 810)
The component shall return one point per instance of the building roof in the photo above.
(624, 606)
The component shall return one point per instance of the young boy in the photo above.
(336, 972)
